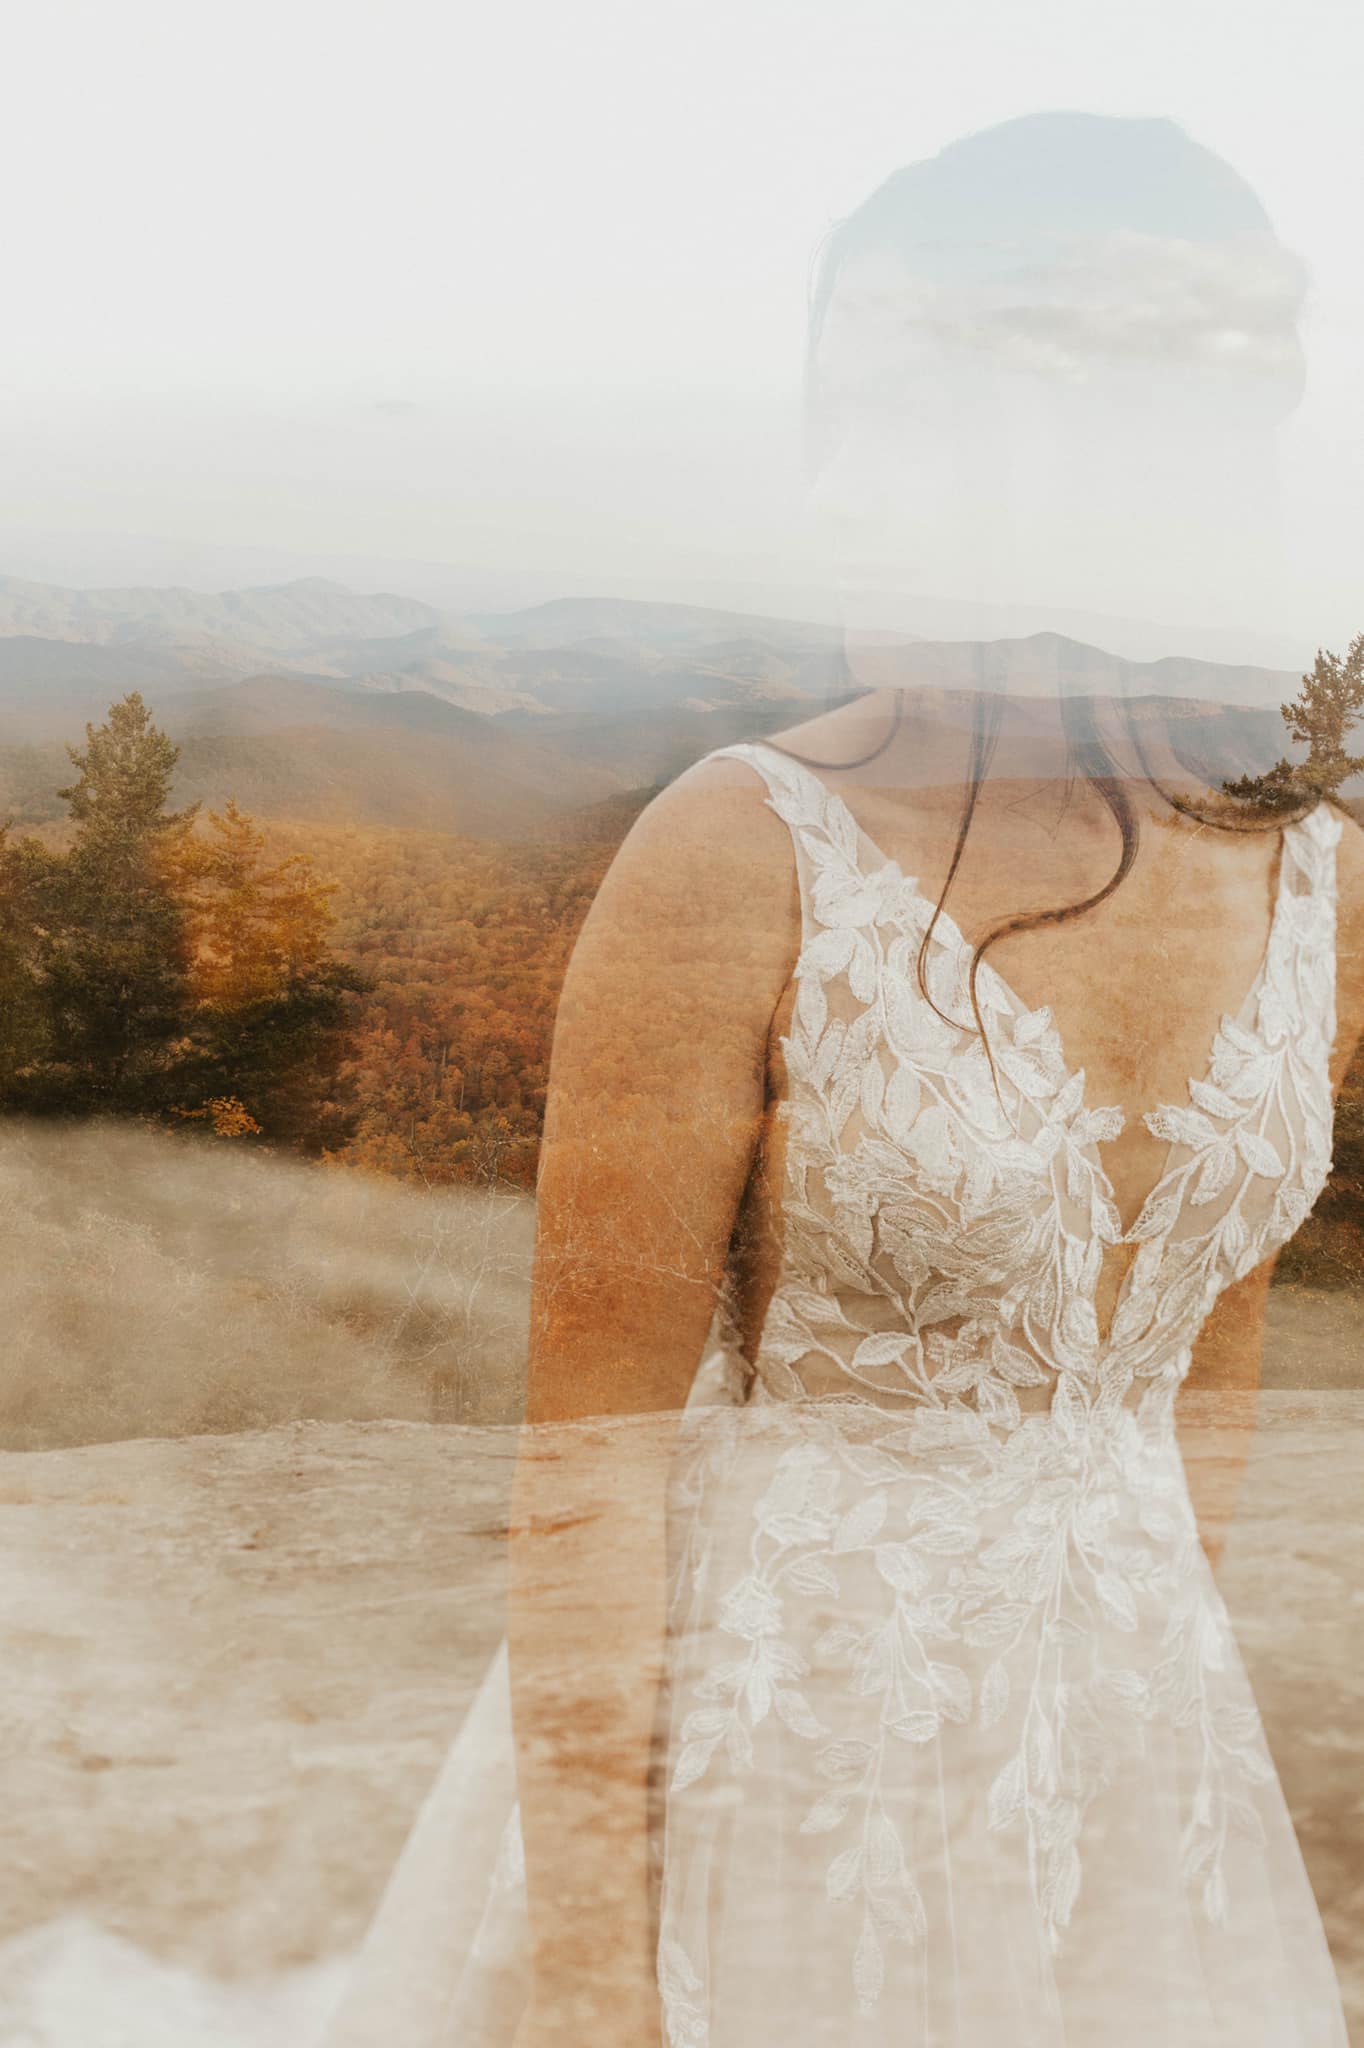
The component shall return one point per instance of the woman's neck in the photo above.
(1044, 742)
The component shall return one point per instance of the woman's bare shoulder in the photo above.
(705, 879)
(711, 822)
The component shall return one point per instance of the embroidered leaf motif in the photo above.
(691, 1764)
(828, 1812)
(796, 1712)
(1157, 1216)
(996, 1625)
(1258, 1153)
(885, 1853)
(872, 1093)
(1180, 1126)
(953, 1690)
(1117, 1599)
(844, 1874)
(861, 1523)
(1213, 1100)
(1006, 1794)
(812, 1009)
(813, 1575)
(1104, 1124)
(843, 1759)
(900, 1913)
(880, 1350)
(1031, 1026)
(920, 1726)
(902, 1101)
(994, 1694)
(1214, 1173)
(901, 1566)
(869, 1970)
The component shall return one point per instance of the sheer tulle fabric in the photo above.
(1062, 1826)
(834, 1858)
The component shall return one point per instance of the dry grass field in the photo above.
(161, 1287)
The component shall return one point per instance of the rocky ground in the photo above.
(233, 1664)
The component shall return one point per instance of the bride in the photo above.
(868, 1677)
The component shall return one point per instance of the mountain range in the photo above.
(312, 700)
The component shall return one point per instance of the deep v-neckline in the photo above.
(955, 941)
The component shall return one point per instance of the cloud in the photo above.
(1083, 304)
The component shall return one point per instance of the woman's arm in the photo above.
(1215, 1412)
(655, 1105)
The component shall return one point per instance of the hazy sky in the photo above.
(521, 289)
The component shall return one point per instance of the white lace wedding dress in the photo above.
(960, 1750)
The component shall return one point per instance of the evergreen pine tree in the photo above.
(114, 948)
(1319, 718)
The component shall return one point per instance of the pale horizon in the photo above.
(398, 299)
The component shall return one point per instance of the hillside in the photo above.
(574, 654)
(286, 618)
(312, 701)
(294, 747)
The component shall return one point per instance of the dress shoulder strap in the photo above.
(824, 836)
(1308, 948)
(815, 815)
(846, 882)
(1312, 842)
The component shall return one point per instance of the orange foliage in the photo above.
(227, 1116)
(466, 942)
(251, 925)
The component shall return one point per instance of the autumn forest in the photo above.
(370, 999)
(371, 996)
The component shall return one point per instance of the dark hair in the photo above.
(962, 216)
